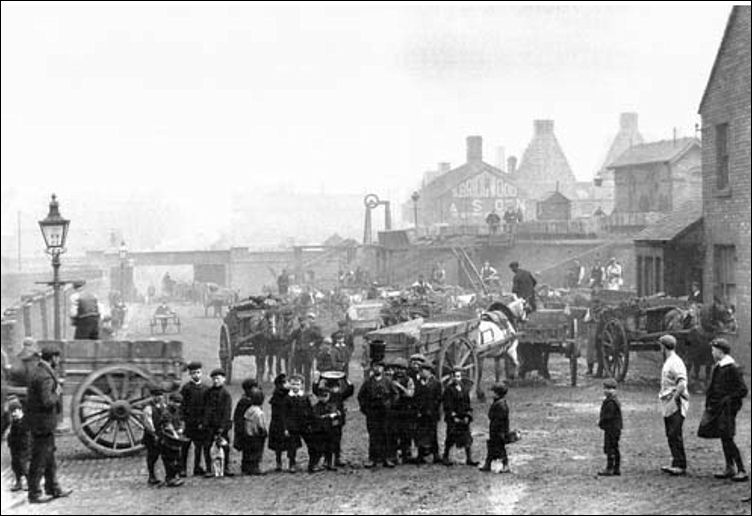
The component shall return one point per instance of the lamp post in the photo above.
(123, 255)
(55, 231)
(415, 196)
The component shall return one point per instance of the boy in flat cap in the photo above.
(153, 417)
(611, 423)
(428, 412)
(458, 414)
(675, 399)
(723, 401)
(192, 412)
(19, 443)
(498, 428)
(376, 396)
(218, 417)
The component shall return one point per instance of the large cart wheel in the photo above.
(107, 409)
(225, 352)
(615, 349)
(459, 352)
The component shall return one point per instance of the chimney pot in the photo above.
(474, 148)
(511, 165)
(444, 167)
(543, 126)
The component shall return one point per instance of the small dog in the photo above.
(217, 454)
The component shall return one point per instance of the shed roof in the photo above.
(672, 225)
(655, 152)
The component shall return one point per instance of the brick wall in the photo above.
(727, 214)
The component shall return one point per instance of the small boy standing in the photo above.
(326, 419)
(19, 442)
(297, 423)
(498, 428)
(255, 430)
(611, 424)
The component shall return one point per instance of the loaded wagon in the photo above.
(365, 316)
(109, 383)
(627, 323)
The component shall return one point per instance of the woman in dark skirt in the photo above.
(279, 433)
(498, 422)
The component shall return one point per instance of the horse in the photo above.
(498, 324)
(216, 298)
(704, 323)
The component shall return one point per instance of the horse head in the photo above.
(718, 316)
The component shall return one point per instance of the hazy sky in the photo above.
(202, 100)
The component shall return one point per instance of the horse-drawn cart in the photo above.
(110, 382)
(626, 323)
(253, 328)
(164, 322)
(365, 316)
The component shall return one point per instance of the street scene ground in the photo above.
(554, 465)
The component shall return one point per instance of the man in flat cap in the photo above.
(376, 397)
(723, 400)
(674, 398)
(458, 414)
(523, 285)
(308, 339)
(44, 403)
(84, 312)
(428, 412)
(218, 417)
(192, 413)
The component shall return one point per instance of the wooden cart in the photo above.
(109, 382)
(164, 322)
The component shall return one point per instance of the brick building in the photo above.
(555, 207)
(657, 176)
(466, 195)
(725, 112)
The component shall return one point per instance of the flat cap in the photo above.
(668, 341)
(192, 366)
(217, 372)
(609, 383)
(426, 365)
(721, 344)
(500, 389)
(417, 357)
(50, 351)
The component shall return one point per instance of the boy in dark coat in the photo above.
(325, 418)
(297, 422)
(192, 414)
(340, 389)
(723, 401)
(428, 412)
(19, 442)
(218, 417)
(256, 432)
(376, 396)
(458, 414)
(250, 387)
(279, 434)
(611, 423)
(498, 428)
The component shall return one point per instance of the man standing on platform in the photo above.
(523, 285)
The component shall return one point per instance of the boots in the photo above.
(486, 465)
(617, 465)
(505, 467)
(328, 463)
(445, 459)
(609, 471)
(469, 457)
(17, 485)
(338, 460)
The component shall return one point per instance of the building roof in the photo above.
(726, 32)
(655, 152)
(673, 224)
(556, 197)
(452, 178)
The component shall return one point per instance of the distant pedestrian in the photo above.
(596, 275)
(675, 399)
(723, 401)
(19, 443)
(84, 313)
(498, 429)
(610, 422)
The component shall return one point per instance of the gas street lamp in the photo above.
(55, 231)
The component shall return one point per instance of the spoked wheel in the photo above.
(615, 349)
(225, 352)
(107, 410)
(458, 353)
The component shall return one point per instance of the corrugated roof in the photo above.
(655, 152)
(673, 224)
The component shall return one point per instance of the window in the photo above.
(724, 268)
(721, 156)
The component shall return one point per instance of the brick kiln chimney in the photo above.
(474, 148)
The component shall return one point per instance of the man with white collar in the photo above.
(674, 397)
(723, 401)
